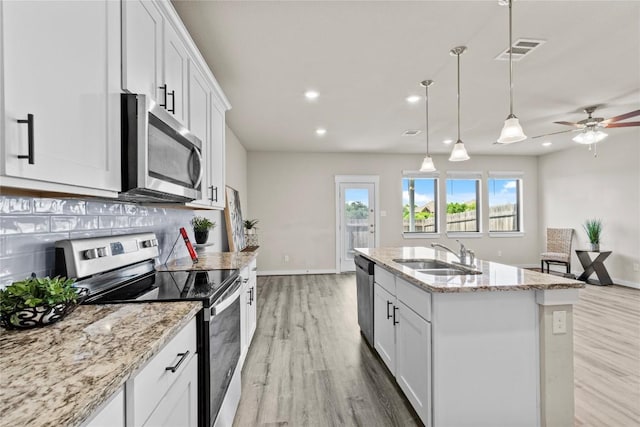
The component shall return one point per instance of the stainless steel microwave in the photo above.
(161, 159)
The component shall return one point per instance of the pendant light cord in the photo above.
(458, 55)
(427, 114)
(510, 61)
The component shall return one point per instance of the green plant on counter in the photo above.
(250, 223)
(37, 291)
(200, 223)
(593, 227)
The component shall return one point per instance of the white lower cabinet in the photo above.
(402, 338)
(164, 392)
(111, 415)
(248, 310)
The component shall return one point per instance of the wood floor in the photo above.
(309, 366)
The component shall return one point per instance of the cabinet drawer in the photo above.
(385, 279)
(415, 298)
(154, 380)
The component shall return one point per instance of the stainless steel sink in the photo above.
(422, 264)
(436, 267)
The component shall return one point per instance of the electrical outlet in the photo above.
(636, 266)
(559, 322)
(286, 258)
(383, 213)
(499, 253)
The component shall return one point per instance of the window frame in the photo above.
(466, 175)
(511, 175)
(436, 196)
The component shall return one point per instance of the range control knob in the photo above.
(149, 243)
(102, 252)
(91, 254)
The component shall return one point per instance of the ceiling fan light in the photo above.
(459, 153)
(590, 136)
(511, 131)
(427, 165)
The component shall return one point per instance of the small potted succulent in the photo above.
(38, 301)
(201, 227)
(250, 235)
(593, 228)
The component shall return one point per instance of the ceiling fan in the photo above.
(590, 127)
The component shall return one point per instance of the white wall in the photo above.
(575, 186)
(293, 196)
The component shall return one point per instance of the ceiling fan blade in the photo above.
(555, 133)
(623, 117)
(622, 125)
(568, 124)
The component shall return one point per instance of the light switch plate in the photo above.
(559, 322)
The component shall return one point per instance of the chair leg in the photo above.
(542, 266)
(568, 267)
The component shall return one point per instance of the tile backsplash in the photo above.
(29, 228)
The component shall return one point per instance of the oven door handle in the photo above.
(233, 292)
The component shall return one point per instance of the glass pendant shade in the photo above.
(459, 153)
(512, 131)
(427, 165)
(590, 136)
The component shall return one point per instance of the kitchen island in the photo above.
(494, 348)
(60, 375)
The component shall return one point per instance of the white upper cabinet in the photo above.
(200, 123)
(142, 27)
(216, 160)
(61, 95)
(176, 66)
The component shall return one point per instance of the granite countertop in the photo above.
(211, 261)
(60, 374)
(494, 277)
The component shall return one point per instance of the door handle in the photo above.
(388, 315)
(172, 94)
(214, 190)
(175, 367)
(164, 89)
(394, 315)
(29, 123)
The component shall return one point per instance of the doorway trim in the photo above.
(357, 179)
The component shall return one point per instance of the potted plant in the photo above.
(593, 227)
(38, 301)
(251, 237)
(201, 227)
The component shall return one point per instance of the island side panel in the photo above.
(485, 359)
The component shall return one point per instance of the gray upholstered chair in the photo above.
(558, 248)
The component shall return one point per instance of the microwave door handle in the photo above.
(201, 172)
(225, 303)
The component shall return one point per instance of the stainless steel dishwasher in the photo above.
(364, 283)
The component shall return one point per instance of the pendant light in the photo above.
(459, 153)
(427, 163)
(511, 131)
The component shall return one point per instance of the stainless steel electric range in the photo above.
(120, 269)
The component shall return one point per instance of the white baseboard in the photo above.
(626, 283)
(294, 272)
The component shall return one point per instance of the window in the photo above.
(463, 210)
(504, 203)
(419, 204)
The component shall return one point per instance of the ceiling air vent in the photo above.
(411, 132)
(520, 49)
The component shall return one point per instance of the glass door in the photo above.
(357, 226)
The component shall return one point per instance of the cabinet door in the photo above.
(62, 65)
(200, 123)
(112, 415)
(413, 360)
(244, 312)
(176, 60)
(216, 158)
(384, 333)
(179, 407)
(253, 308)
(142, 49)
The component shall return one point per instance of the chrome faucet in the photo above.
(462, 255)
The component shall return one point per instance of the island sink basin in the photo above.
(436, 268)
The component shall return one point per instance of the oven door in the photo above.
(224, 347)
(160, 156)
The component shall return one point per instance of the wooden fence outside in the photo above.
(501, 218)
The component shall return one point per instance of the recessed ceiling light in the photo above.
(547, 144)
(413, 99)
(321, 131)
(311, 95)
(447, 141)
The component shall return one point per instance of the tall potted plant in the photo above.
(593, 228)
(201, 227)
